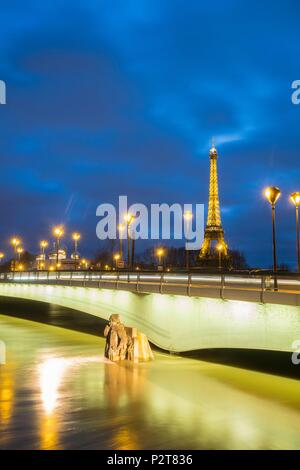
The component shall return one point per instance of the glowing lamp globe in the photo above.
(272, 193)
(76, 236)
(295, 198)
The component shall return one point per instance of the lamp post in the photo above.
(58, 232)
(20, 250)
(129, 218)
(220, 249)
(43, 246)
(187, 218)
(272, 193)
(76, 237)
(295, 198)
(121, 230)
(160, 253)
(15, 242)
(84, 263)
(1, 257)
(117, 257)
(132, 252)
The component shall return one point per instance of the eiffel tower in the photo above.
(213, 229)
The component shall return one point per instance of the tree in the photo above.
(105, 256)
(237, 260)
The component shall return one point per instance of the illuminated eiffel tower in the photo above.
(213, 229)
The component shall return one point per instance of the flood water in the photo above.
(58, 392)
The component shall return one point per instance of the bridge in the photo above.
(178, 311)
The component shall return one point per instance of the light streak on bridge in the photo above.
(255, 288)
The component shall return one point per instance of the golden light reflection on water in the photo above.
(51, 374)
(49, 432)
(6, 397)
(59, 392)
(123, 384)
(125, 388)
(125, 440)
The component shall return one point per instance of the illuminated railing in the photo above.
(215, 285)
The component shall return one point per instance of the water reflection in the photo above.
(124, 390)
(123, 384)
(51, 373)
(49, 433)
(57, 391)
(6, 397)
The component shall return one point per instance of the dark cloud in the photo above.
(123, 97)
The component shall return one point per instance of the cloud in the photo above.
(108, 98)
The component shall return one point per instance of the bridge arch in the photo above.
(175, 322)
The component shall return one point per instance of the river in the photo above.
(57, 391)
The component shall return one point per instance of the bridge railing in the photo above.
(230, 286)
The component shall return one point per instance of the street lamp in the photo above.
(76, 237)
(1, 257)
(15, 242)
(121, 230)
(117, 256)
(188, 216)
(295, 198)
(43, 246)
(160, 253)
(272, 193)
(20, 250)
(129, 218)
(84, 263)
(220, 249)
(58, 232)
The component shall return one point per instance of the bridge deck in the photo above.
(224, 286)
(178, 312)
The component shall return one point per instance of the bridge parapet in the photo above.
(254, 288)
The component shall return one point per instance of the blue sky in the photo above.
(124, 96)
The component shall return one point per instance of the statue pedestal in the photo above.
(125, 342)
(142, 349)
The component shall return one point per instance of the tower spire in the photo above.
(213, 230)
